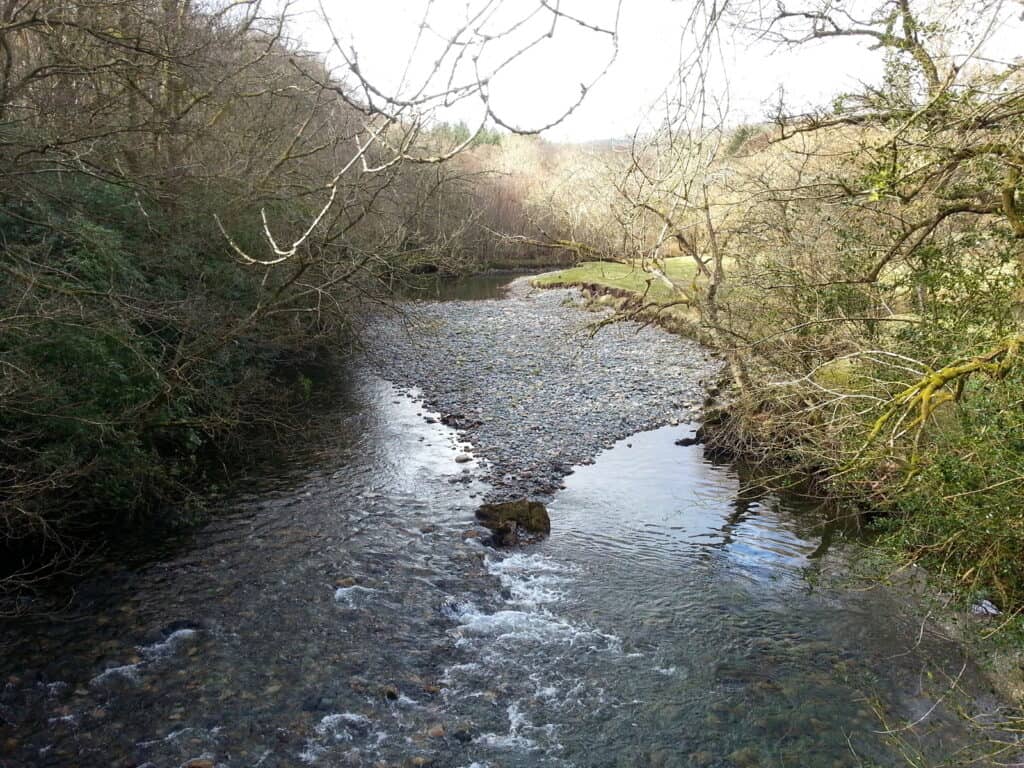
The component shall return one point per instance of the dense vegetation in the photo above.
(157, 158)
(195, 213)
(860, 269)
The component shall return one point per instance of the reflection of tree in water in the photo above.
(807, 517)
(746, 503)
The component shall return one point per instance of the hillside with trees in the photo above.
(859, 268)
(196, 213)
(196, 216)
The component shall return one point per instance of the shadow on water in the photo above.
(434, 287)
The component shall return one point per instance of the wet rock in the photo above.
(346, 582)
(457, 421)
(462, 458)
(509, 520)
(696, 439)
(463, 734)
(199, 763)
(436, 731)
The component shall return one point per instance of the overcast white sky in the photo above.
(542, 84)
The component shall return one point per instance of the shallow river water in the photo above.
(344, 612)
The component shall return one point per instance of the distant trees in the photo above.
(455, 134)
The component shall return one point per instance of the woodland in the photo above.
(197, 216)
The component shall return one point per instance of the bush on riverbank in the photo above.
(960, 513)
(862, 274)
(130, 372)
(193, 211)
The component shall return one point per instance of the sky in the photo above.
(397, 53)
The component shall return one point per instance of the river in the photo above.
(343, 611)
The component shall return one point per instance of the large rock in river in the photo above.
(510, 519)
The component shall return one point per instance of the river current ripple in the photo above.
(344, 612)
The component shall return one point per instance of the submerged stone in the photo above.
(509, 519)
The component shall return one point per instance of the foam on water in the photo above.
(343, 726)
(520, 734)
(530, 580)
(125, 673)
(537, 627)
(456, 669)
(311, 753)
(169, 644)
(514, 739)
(130, 673)
(338, 728)
(347, 595)
(172, 736)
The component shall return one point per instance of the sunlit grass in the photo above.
(623, 277)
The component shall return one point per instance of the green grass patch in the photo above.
(623, 277)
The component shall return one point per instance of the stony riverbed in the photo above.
(566, 392)
(343, 610)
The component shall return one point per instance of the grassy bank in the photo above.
(632, 291)
(628, 278)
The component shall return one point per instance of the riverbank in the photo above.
(964, 612)
(343, 610)
(533, 387)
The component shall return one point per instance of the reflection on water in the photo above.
(348, 615)
(662, 504)
(468, 288)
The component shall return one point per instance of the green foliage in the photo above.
(960, 514)
(450, 135)
(738, 138)
(966, 301)
(101, 424)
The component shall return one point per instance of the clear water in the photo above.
(344, 614)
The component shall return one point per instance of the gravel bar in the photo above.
(531, 388)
